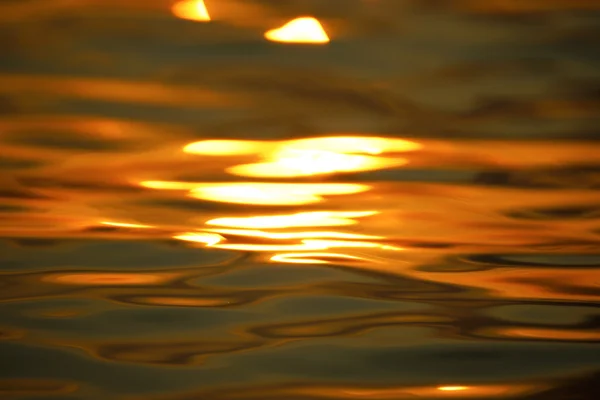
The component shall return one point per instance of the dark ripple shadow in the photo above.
(532, 260)
(171, 353)
(571, 212)
(352, 325)
(571, 177)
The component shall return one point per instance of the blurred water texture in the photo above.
(408, 208)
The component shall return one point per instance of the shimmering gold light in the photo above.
(271, 247)
(293, 235)
(209, 239)
(259, 193)
(292, 163)
(452, 388)
(329, 244)
(194, 10)
(299, 30)
(224, 147)
(306, 157)
(355, 144)
(273, 193)
(316, 218)
(311, 258)
(170, 185)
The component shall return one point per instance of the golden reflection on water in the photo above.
(308, 157)
(225, 147)
(260, 193)
(314, 258)
(293, 235)
(197, 210)
(299, 30)
(194, 10)
(125, 225)
(281, 241)
(209, 239)
(304, 219)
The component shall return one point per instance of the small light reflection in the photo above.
(304, 219)
(194, 10)
(312, 258)
(343, 243)
(452, 388)
(209, 239)
(272, 247)
(224, 147)
(299, 30)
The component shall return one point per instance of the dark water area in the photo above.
(194, 209)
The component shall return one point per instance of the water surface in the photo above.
(191, 211)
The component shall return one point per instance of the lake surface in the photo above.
(190, 210)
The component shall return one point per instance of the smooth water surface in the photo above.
(189, 210)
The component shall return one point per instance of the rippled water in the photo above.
(191, 211)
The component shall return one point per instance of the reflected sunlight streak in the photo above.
(224, 147)
(309, 156)
(295, 162)
(452, 388)
(311, 258)
(209, 239)
(194, 10)
(260, 193)
(304, 219)
(299, 30)
(292, 235)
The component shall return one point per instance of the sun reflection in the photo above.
(273, 193)
(292, 235)
(166, 185)
(299, 30)
(224, 147)
(355, 144)
(194, 10)
(329, 244)
(260, 193)
(452, 388)
(304, 219)
(292, 162)
(312, 258)
(209, 239)
(272, 247)
(309, 156)
(296, 242)
(289, 158)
